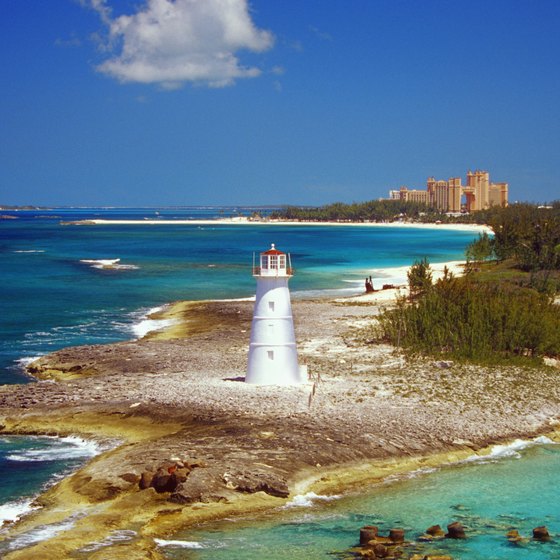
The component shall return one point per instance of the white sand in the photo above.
(246, 221)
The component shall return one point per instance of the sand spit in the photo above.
(247, 221)
(177, 398)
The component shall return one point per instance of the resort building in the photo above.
(452, 196)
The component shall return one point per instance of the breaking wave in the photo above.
(309, 499)
(108, 264)
(509, 450)
(179, 544)
(66, 448)
(146, 324)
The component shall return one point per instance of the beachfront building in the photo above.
(273, 356)
(452, 196)
(413, 195)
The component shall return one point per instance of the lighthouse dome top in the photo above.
(273, 251)
(273, 263)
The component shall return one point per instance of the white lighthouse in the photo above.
(272, 351)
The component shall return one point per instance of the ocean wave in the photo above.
(66, 448)
(13, 511)
(24, 362)
(398, 477)
(509, 450)
(41, 533)
(109, 264)
(179, 544)
(309, 499)
(30, 251)
(146, 324)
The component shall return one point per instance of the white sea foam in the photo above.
(30, 251)
(179, 544)
(24, 362)
(115, 537)
(108, 264)
(67, 448)
(309, 499)
(13, 511)
(146, 324)
(408, 475)
(509, 450)
(41, 533)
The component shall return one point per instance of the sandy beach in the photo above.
(244, 220)
(176, 400)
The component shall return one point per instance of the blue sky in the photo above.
(192, 102)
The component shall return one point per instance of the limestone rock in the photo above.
(380, 551)
(162, 481)
(146, 479)
(202, 485)
(541, 533)
(433, 532)
(455, 530)
(257, 481)
(396, 535)
(131, 477)
(368, 533)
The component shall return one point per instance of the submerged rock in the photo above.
(396, 535)
(368, 533)
(455, 530)
(513, 536)
(541, 533)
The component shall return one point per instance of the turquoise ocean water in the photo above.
(518, 487)
(56, 293)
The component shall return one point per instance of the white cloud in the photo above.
(170, 42)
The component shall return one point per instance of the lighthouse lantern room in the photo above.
(272, 351)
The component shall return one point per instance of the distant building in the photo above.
(413, 195)
(447, 196)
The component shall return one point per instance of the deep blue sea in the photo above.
(57, 291)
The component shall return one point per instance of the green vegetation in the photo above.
(371, 211)
(419, 278)
(481, 249)
(467, 320)
(500, 311)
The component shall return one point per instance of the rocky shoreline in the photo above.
(192, 442)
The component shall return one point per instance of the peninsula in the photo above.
(190, 442)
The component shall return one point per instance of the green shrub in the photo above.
(480, 322)
(419, 278)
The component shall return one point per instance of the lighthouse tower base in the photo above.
(273, 358)
(263, 371)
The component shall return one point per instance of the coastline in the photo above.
(190, 373)
(247, 221)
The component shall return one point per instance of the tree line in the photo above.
(370, 211)
(490, 314)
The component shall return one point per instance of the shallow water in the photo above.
(65, 285)
(521, 491)
(57, 291)
(27, 464)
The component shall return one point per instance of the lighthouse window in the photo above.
(271, 305)
(273, 262)
(264, 261)
(282, 261)
(270, 354)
